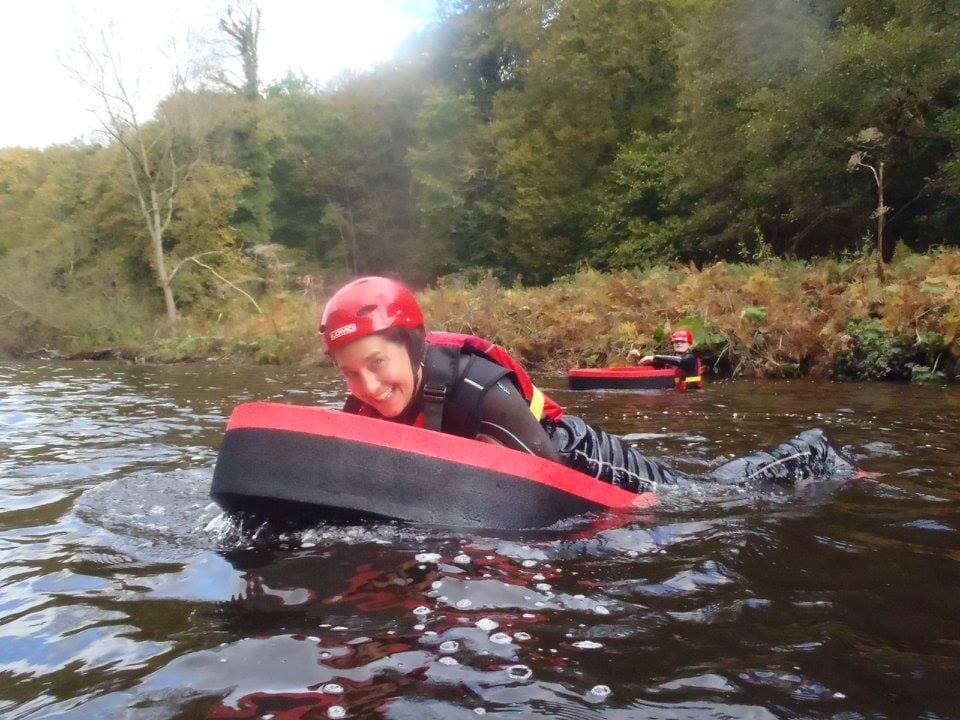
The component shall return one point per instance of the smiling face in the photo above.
(378, 372)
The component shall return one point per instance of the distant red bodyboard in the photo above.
(634, 377)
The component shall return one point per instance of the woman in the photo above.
(373, 329)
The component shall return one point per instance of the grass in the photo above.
(778, 318)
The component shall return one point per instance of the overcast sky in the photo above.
(43, 105)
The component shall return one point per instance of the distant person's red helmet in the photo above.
(682, 336)
(367, 306)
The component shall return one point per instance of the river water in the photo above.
(125, 594)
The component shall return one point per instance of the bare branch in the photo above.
(235, 287)
(192, 258)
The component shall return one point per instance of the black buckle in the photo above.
(434, 394)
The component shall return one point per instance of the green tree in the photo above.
(349, 148)
(765, 124)
(235, 67)
(455, 189)
(604, 71)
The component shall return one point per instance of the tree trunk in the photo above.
(242, 26)
(156, 240)
(158, 226)
(881, 222)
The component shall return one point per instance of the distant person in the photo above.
(684, 359)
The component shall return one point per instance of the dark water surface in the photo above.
(125, 594)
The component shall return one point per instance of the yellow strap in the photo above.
(536, 403)
(695, 378)
(691, 379)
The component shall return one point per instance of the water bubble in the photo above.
(539, 576)
(519, 672)
(479, 711)
(501, 638)
(332, 689)
(419, 626)
(486, 624)
(450, 646)
(464, 603)
(427, 557)
(436, 584)
(462, 559)
(447, 660)
(421, 610)
(521, 636)
(601, 610)
(588, 645)
(529, 563)
(336, 711)
(543, 587)
(601, 691)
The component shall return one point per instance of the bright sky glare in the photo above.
(43, 105)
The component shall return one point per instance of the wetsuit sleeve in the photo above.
(505, 417)
(661, 360)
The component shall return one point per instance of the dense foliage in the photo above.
(519, 138)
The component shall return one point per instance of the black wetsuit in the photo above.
(483, 401)
(688, 363)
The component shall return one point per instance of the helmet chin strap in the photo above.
(417, 385)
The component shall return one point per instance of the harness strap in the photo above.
(439, 373)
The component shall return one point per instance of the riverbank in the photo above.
(828, 318)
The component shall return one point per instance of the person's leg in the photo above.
(807, 455)
(595, 452)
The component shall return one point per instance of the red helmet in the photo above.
(682, 336)
(367, 306)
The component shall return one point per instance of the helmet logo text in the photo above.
(345, 330)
